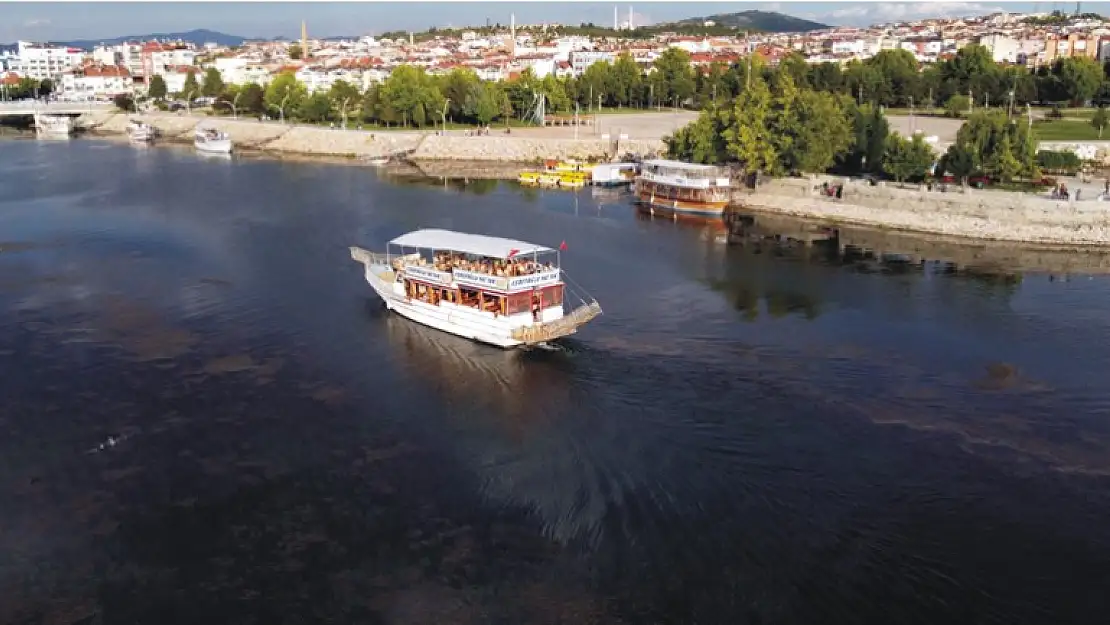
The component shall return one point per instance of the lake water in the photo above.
(209, 418)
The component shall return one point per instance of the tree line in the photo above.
(780, 125)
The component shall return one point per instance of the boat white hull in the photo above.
(462, 321)
(141, 136)
(219, 146)
(54, 125)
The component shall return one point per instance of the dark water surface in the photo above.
(745, 436)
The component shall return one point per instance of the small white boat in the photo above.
(378, 162)
(138, 132)
(54, 125)
(613, 174)
(488, 289)
(212, 141)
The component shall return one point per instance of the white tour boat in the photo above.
(498, 291)
(674, 188)
(212, 140)
(54, 125)
(139, 132)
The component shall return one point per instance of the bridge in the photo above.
(34, 107)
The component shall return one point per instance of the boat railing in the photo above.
(686, 181)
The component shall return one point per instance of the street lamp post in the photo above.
(343, 111)
(281, 108)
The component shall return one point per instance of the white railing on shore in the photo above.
(35, 106)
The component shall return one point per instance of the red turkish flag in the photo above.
(563, 246)
(513, 253)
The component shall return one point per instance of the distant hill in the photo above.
(766, 21)
(198, 37)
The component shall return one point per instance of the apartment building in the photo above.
(157, 57)
(43, 61)
(1070, 45)
(581, 59)
(96, 80)
(242, 71)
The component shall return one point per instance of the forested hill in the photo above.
(766, 21)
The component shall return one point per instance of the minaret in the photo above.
(630, 26)
(616, 23)
(512, 35)
(304, 41)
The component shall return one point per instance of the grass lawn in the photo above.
(1067, 130)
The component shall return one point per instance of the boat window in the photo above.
(468, 297)
(518, 303)
(553, 296)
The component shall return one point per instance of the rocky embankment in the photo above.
(972, 213)
(280, 138)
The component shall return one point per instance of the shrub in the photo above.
(1058, 162)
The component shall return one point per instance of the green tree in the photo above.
(596, 83)
(157, 88)
(702, 141)
(821, 130)
(871, 129)
(213, 83)
(907, 158)
(960, 162)
(826, 77)
(284, 94)
(295, 52)
(45, 88)
(1080, 78)
(896, 79)
(488, 105)
(1002, 162)
(459, 85)
(190, 89)
(412, 94)
(251, 99)
(344, 98)
(315, 109)
(1100, 119)
(625, 80)
(749, 138)
(957, 105)
(124, 102)
(673, 76)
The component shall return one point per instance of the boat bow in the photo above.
(563, 326)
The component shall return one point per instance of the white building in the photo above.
(1003, 49)
(43, 61)
(99, 81)
(161, 59)
(580, 60)
(321, 79)
(240, 71)
(175, 78)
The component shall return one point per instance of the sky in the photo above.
(44, 21)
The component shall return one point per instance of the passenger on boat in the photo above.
(447, 261)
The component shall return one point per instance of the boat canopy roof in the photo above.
(680, 165)
(477, 244)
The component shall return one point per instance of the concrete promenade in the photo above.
(971, 213)
(642, 134)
